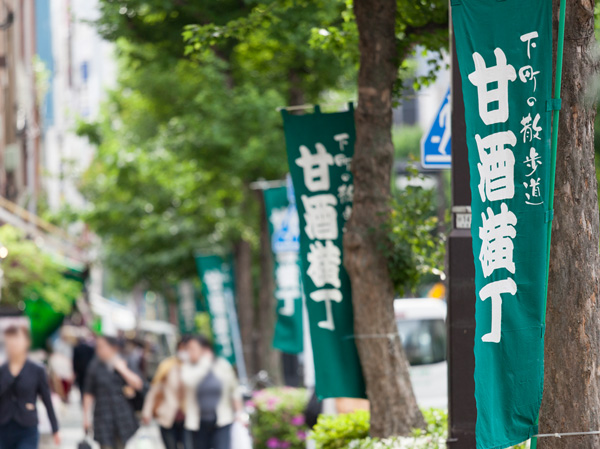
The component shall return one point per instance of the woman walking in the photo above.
(110, 384)
(213, 398)
(21, 382)
(166, 400)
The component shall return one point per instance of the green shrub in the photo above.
(351, 431)
(278, 418)
(337, 431)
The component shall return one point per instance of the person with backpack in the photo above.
(166, 399)
(213, 399)
(21, 382)
(114, 391)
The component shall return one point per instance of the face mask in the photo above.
(183, 356)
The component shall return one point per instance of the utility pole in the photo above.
(461, 282)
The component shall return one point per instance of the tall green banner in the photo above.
(320, 149)
(284, 230)
(504, 52)
(218, 290)
(187, 307)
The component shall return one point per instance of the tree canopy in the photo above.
(182, 138)
(193, 121)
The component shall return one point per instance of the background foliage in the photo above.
(32, 274)
(415, 242)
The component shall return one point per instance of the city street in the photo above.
(292, 224)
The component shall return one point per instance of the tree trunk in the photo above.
(268, 358)
(394, 410)
(245, 301)
(572, 389)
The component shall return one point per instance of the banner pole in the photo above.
(554, 147)
(237, 340)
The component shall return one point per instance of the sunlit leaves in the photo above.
(29, 273)
(413, 244)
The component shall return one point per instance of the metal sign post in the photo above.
(461, 284)
(237, 340)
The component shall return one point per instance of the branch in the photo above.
(588, 11)
(428, 28)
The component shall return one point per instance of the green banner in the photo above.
(504, 52)
(320, 148)
(284, 230)
(187, 307)
(218, 290)
(44, 321)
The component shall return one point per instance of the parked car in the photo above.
(422, 328)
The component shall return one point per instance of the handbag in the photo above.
(145, 439)
(85, 443)
(240, 437)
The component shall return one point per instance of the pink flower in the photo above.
(284, 445)
(271, 403)
(297, 420)
(273, 443)
(301, 434)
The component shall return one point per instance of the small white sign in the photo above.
(463, 221)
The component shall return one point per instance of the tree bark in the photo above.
(268, 358)
(245, 301)
(394, 410)
(572, 378)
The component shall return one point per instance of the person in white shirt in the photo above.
(213, 399)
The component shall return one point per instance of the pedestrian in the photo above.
(133, 352)
(60, 371)
(21, 383)
(213, 399)
(83, 354)
(110, 387)
(60, 363)
(166, 399)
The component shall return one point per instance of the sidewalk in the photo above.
(71, 430)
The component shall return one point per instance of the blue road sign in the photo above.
(287, 237)
(435, 145)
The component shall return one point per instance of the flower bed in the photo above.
(277, 418)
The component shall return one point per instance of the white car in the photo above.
(422, 328)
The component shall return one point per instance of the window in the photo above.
(424, 341)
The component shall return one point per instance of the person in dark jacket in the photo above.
(21, 382)
(83, 354)
(109, 386)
